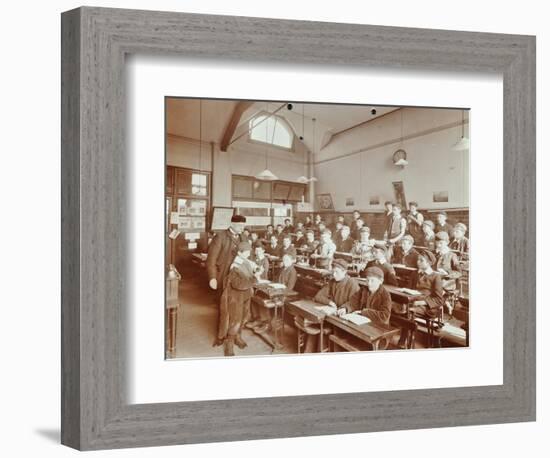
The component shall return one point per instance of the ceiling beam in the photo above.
(238, 111)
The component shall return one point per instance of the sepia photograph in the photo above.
(297, 227)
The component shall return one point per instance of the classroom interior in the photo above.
(295, 164)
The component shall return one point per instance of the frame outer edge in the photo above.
(70, 228)
(89, 421)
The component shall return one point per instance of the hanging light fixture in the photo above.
(464, 142)
(303, 179)
(266, 174)
(400, 156)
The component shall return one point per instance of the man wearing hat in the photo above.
(235, 299)
(221, 253)
(442, 225)
(374, 301)
(405, 254)
(460, 243)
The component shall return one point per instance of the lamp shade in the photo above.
(266, 175)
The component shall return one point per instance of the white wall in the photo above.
(30, 396)
(433, 166)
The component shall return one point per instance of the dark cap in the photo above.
(342, 263)
(238, 219)
(413, 204)
(376, 272)
(442, 212)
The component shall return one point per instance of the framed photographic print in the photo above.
(136, 148)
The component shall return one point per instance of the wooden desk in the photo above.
(308, 310)
(272, 299)
(405, 274)
(404, 320)
(353, 337)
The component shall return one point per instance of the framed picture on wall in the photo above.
(119, 390)
(324, 201)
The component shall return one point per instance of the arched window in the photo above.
(272, 130)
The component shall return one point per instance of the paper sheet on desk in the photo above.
(326, 309)
(355, 318)
(412, 292)
(277, 286)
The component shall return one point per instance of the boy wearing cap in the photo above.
(460, 243)
(374, 301)
(428, 240)
(442, 225)
(405, 254)
(381, 261)
(235, 300)
(414, 221)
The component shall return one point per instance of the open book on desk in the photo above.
(356, 318)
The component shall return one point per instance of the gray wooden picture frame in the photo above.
(95, 412)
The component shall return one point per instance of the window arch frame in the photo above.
(280, 120)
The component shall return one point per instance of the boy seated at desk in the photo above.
(362, 248)
(287, 247)
(428, 283)
(253, 238)
(324, 252)
(279, 232)
(381, 261)
(442, 225)
(460, 243)
(274, 247)
(338, 292)
(288, 274)
(447, 263)
(405, 254)
(345, 242)
(374, 301)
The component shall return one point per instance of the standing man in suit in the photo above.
(221, 253)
